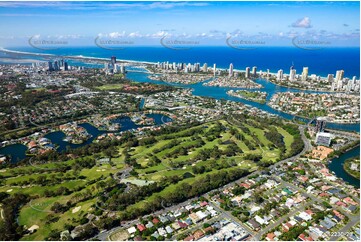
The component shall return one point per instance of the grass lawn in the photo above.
(110, 87)
(287, 138)
(40, 207)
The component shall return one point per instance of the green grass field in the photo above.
(38, 211)
(110, 87)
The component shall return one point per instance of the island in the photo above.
(256, 96)
(352, 166)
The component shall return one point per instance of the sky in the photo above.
(201, 23)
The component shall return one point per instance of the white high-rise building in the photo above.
(305, 73)
(230, 69)
(292, 75)
(330, 78)
(339, 75)
(205, 68)
(254, 70)
(214, 69)
(248, 72)
(280, 75)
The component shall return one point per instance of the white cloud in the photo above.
(302, 23)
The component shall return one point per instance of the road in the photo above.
(228, 215)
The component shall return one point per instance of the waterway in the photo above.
(205, 91)
(221, 93)
(18, 151)
(336, 166)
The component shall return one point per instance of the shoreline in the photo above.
(317, 90)
(347, 170)
(75, 57)
(299, 116)
(120, 60)
(234, 94)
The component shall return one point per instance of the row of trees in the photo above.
(10, 230)
(184, 191)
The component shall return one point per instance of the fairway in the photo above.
(171, 159)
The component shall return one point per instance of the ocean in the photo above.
(320, 62)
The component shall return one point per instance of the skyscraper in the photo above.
(56, 66)
(339, 75)
(292, 74)
(113, 60)
(305, 73)
(50, 65)
(214, 69)
(280, 75)
(204, 68)
(320, 125)
(254, 71)
(230, 69)
(330, 78)
(66, 66)
(248, 70)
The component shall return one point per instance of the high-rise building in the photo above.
(320, 125)
(339, 75)
(205, 67)
(292, 74)
(214, 69)
(113, 60)
(56, 66)
(122, 69)
(330, 78)
(50, 66)
(280, 75)
(230, 69)
(254, 71)
(66, 66)
(305, 73)
(248, 70)
(197, 67)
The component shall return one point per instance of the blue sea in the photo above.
(320, 62)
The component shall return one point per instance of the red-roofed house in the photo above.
(270, 236)
(323, 194)
(339, 203)
(155, 220)
(349, 200)
(304, 238)
(204, 203)
(189, 238)
(245, 185)
(141, 227)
